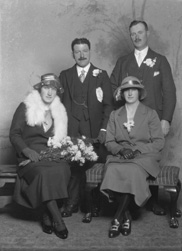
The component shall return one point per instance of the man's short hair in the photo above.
(80, 41)
(135, 22)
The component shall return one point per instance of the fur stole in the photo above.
(35, 113)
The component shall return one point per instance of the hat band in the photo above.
(132, 82)
(49, 78)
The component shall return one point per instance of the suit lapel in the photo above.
(92, 81)
(122, 118)
(147, 69)
(138, 118)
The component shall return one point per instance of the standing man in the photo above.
(155, 73)
(89, 101)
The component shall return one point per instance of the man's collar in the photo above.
(144, 51)
(86, 68)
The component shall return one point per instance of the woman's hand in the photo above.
(31, 154)
(137, 152)
(127, 153)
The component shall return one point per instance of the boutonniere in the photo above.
(150, 62)
(129, 125)
(96, 72)
(99, 94)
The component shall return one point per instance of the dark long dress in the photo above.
(39, 181)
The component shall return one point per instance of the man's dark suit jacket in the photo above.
(156, 77)
(99, 111)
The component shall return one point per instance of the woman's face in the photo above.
(48, 93)
(131, 95)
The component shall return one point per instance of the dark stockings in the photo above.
(56, 215)
(123, 201)
(46, 218)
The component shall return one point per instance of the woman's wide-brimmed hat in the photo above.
(49, 79)
(128, 83)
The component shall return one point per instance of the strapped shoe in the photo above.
(126, 227)
(62, 234)
(114, 230)
(174, 223)
(47, 229)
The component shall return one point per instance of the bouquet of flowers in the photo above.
(77, 150)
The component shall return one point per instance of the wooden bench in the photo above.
(7, 176)
(167, 179)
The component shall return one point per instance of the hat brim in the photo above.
(56, 84)
(118, 92)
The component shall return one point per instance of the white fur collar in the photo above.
(36, 111)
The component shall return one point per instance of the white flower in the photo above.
(150, 62)
(77, 150)
(128, 125)
(96, 72)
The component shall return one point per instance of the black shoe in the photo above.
(178, 213)
(62, 234)
(69, 210)
(114, 230)
(158, 210)
(47, 229)
(87, 218)
(126, 225)
(174, 223)
(95, 212)
(47, 224)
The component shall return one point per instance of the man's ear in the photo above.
(148, 33)
(73, 55)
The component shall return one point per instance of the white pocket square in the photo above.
(99, 94)
(156, 73)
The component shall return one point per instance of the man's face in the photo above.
(139, 36)
(81, 54)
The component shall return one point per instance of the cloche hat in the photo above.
(127, 83)
(49, 79)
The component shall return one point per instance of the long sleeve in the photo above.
(155, 141)
(16, 129)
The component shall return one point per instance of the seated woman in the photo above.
(135, 139)
(39, 118)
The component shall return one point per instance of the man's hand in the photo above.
(102, 137)
(165, 127)
(127, 153)
(31, 154)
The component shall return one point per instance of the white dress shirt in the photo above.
(80, 69)
(140, 55)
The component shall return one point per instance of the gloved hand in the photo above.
(102, 137)
(136, 153)
(31, 154)
(127, 153)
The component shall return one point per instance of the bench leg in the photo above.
(174, 194)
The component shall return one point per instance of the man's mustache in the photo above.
(137, 40)
(81, 58)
